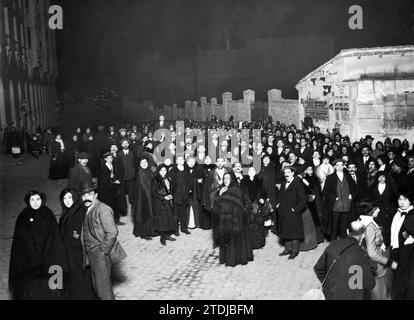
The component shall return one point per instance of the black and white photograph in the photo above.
(206, 150)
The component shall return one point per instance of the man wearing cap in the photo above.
(99, 238)
(339, 192)
(80, 173)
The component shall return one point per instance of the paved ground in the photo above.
(185, 269)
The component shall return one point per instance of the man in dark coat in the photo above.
(361, 188)
(129, 164)
(410, 172)
(134, 145)
(80, 173)
(119, 168)
(181, 188)
(290, 203)
(339, 192)
(363, 160)
(161, 124)
(109, 183)
(351, 276)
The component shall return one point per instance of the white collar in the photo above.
(396, 225)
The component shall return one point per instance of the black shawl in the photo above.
(37, 245)
(142, 203)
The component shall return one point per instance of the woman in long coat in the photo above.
(402, 245)
(162, 205)
(231, 205)
(58, 165)
(79, 281)
(73, 149)
(383, 194)
(314, 200)
(267, 175)
(252, 186)
(37, 246)
(142, 202)
(203, 173)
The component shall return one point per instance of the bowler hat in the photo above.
(369, 137)
(86, 187)
(83, 155)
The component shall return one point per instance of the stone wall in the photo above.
(283, 110)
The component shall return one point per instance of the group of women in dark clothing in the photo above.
(43, 249)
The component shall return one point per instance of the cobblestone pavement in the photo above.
(185, 269)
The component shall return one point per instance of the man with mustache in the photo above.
(290, 203)
(100, 241)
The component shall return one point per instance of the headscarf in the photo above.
(68, 212)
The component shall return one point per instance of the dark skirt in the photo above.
(236, 251)
(79, 285)
(257, 229)
(165, 221)
(37, 289)
(311, 239)
(144, 229)
(205, 219)
(257, 233)
(403, 287)
(235, 248)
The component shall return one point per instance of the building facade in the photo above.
(28, 64)
(363, 91)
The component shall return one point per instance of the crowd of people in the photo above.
(311, 187)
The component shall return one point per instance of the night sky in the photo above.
(143, 48)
